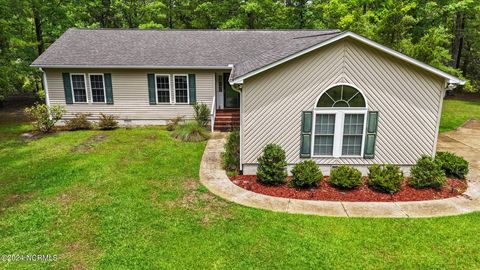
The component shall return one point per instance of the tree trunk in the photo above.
(38, 27)
(457, 44)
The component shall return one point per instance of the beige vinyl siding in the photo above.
(408, 100)
(130, 94)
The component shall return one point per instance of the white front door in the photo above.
(219, 92)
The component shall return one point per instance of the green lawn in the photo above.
(456, 111)
(130, 199)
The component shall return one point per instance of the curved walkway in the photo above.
(216, 180)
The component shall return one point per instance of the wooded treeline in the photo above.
(445, 33)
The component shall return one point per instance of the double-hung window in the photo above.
(339, 123)
(79, 88)
(163, 88)
(97, 86)
(181, 88)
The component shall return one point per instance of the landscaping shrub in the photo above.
(306, 174)
(79, 122)
(190, 132)
(173, 123)
(345, 177)
(452, 165)
(231, 156)
(107, 122)
(427, 173)
(44, 117)
(272, 166)
(202, 114)
(386, 178)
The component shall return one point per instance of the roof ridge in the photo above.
(206, 30)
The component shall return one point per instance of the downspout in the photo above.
(45, 87)
(238, 88)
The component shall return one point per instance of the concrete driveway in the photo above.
(465, 142)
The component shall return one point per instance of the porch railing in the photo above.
(213, 113)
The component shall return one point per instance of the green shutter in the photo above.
(108, 87)
(371, 136)
(192, 88)
(306, 134)
(67, 87)
(151, 89)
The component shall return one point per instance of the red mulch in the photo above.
(326, 192)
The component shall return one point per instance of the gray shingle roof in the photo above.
(247, 50)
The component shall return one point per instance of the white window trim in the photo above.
(169, 89)
(104, 88)
(338, 133)
(175, 90)
(85, 84)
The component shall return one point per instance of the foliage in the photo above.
(190, 132)
(44, 117)
(452, 165)
(107, 122)
(173, 123)
(306, 174)
(79, 122)
(345, 176)
(272, 166)
(231, 156)
(427, 173)
(386, 178)
(202, 114)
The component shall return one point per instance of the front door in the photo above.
(232, 97)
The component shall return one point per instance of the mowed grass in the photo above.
(131, 199)
(456, 112)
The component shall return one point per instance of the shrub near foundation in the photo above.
(345, 177)
(452, 165)
(427, 173)
(386, 178)
(306, 174)
(107, 122)
(79, 122)
(272, 166)
(231, 156)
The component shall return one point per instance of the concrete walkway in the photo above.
(464, 141)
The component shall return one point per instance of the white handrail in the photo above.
(213, 113)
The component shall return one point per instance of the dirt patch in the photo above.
(14, 199)
(89, 144)
(209, 207)
(324, 191)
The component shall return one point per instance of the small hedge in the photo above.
(79, 122)
(385, 178)
(452, 165)
(345, 177)
(231, 156)
(427, 173)
(306, 174)
(272, 166)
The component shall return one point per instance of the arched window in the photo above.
(339, 123)
(341, 96)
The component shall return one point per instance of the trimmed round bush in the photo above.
(306, 174)
(385, 178)
(272, 166)
(345, 177)
(427, 173)
(452, 165)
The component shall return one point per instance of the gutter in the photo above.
(132, 67)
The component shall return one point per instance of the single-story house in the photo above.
(330, 96)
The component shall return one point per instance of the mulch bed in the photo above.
(324, 191)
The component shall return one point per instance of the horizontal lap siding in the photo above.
(408, 100)
(130, 94)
